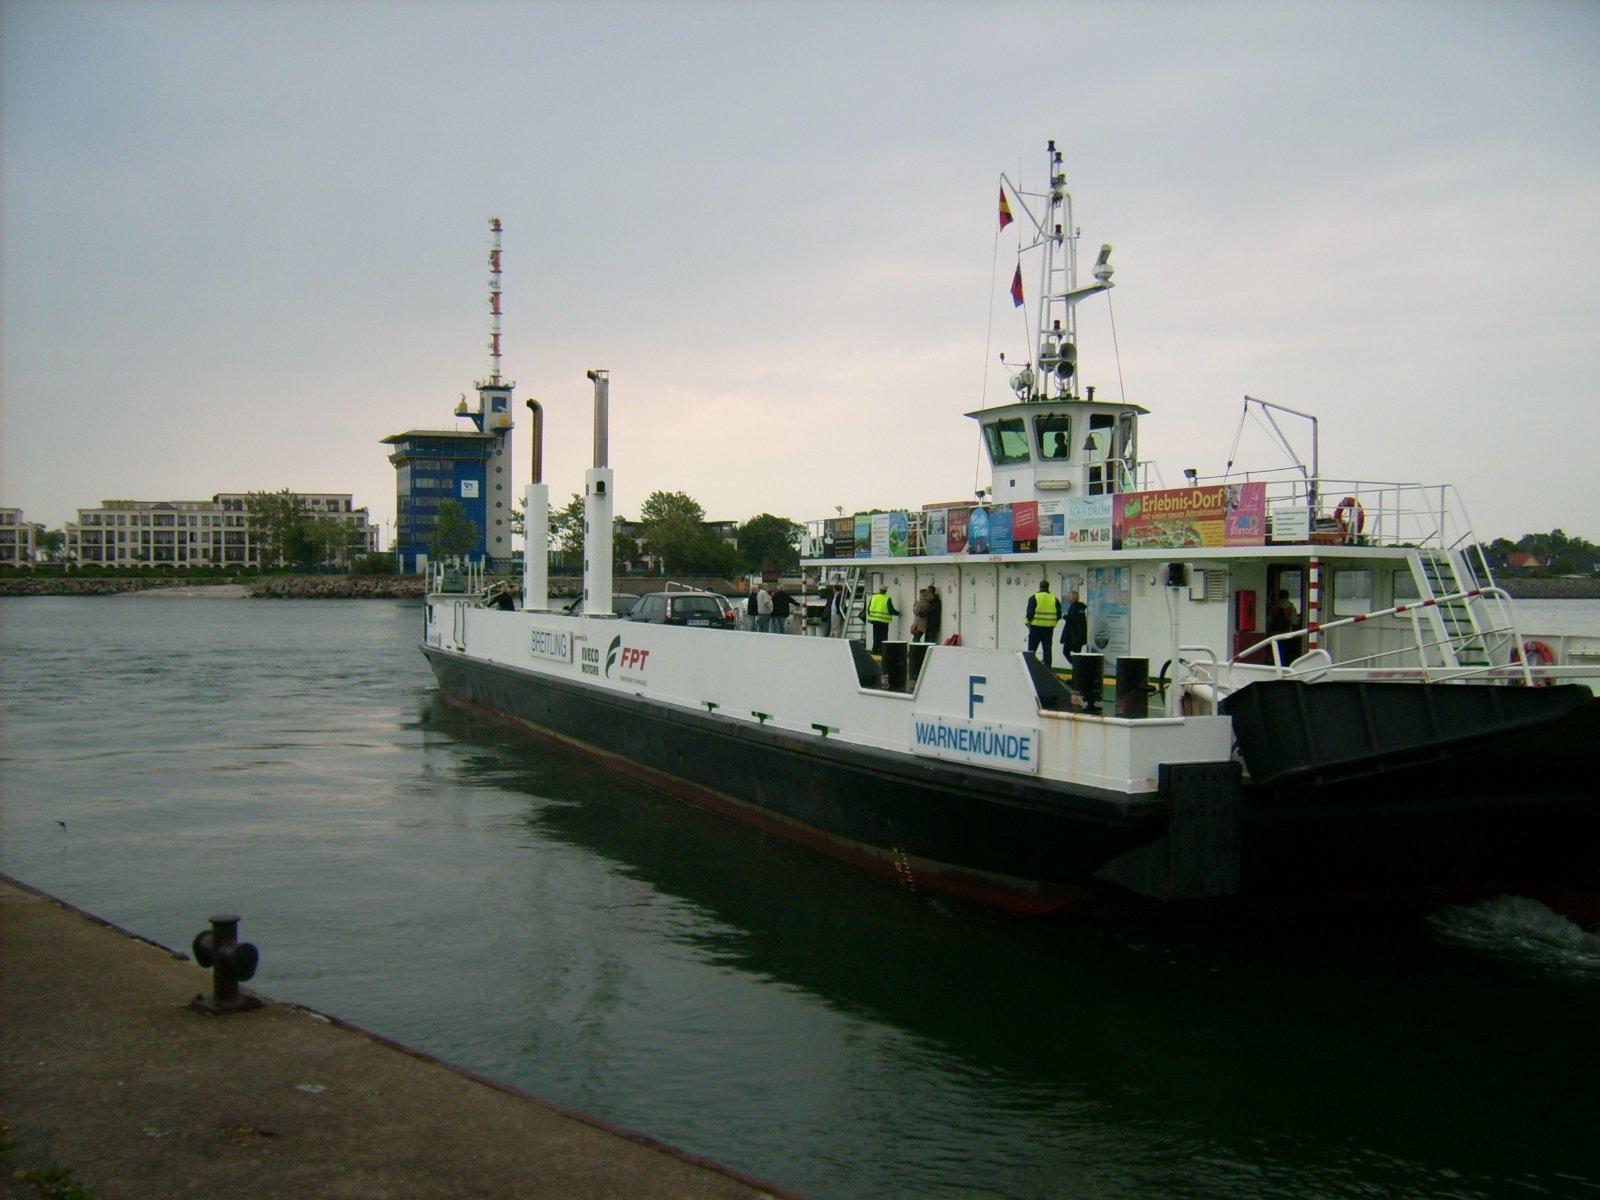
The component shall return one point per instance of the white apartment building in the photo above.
(215, 532)
(17, 538)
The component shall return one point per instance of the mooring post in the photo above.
(231, 962)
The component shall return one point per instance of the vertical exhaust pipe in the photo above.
(536, 524)
(597, 509)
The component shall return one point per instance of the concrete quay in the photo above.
(104, 1072)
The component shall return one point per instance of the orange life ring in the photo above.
(1351, 516)
(1537, 654)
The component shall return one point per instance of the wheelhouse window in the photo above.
(1352, 593)
(1127, 452)
(1007, 439)
(1102, 479)
(1053, 437)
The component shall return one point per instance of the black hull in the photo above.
(1009, 842)
(1442, 821)
(1500, 794)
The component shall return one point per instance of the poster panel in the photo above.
(1109, 603)
(1089, 523)
(1025, 526)
(839, 537)
(1000, 529)
(880, 535)
(978, 531)
(957, 520)
(898, 534)
(1184, 518)
(1053, 526)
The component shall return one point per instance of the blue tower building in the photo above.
(471, 467)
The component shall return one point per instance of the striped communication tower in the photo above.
(494, 300)
(494, 417)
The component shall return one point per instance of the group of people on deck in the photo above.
(927, 612)
(1045, 612)
(767, 610)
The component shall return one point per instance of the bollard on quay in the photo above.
(231, 962)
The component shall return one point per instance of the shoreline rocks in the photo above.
(336, 587)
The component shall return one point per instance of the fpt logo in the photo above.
(624, 658)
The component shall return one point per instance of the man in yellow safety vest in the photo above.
(880, 611)
(1044, 611)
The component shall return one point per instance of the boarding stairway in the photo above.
(1459, 636)
(855, 611)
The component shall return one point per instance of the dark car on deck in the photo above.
(621, 604)
(705, 609)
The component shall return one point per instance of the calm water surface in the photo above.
(534, 918)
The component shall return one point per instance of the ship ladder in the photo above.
(1455, 622)
(855, 613)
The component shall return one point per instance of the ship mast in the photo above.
(1053, 372)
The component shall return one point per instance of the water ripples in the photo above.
(526, 914)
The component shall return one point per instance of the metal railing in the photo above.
(467, 578)
(1496, 638)
(1342, 511)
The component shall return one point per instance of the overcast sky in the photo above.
(240, 243)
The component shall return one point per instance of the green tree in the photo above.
(300, 548)
(672, 527)
(566, 534)
(707, 554)
(770, 543)
(332, 538)
(454, 534)
(624, 549)
(671, 508)
(49, 543)
(271, 518)
(374, 564)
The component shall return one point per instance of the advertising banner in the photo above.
(839, 537)
(933, 531)
(1182, 518)
(1089, 523)
(880, 535)
(1053, 526)
(955, 532)
(978, 532)
(863, 535)
(1000, 529)
(1109, 602)
(1025, 526)
(899, 527)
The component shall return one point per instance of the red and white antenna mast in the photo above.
(494, 301)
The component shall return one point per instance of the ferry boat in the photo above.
(1290, 686)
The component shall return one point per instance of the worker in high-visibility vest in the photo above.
(1044, 613)
(880, 611)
